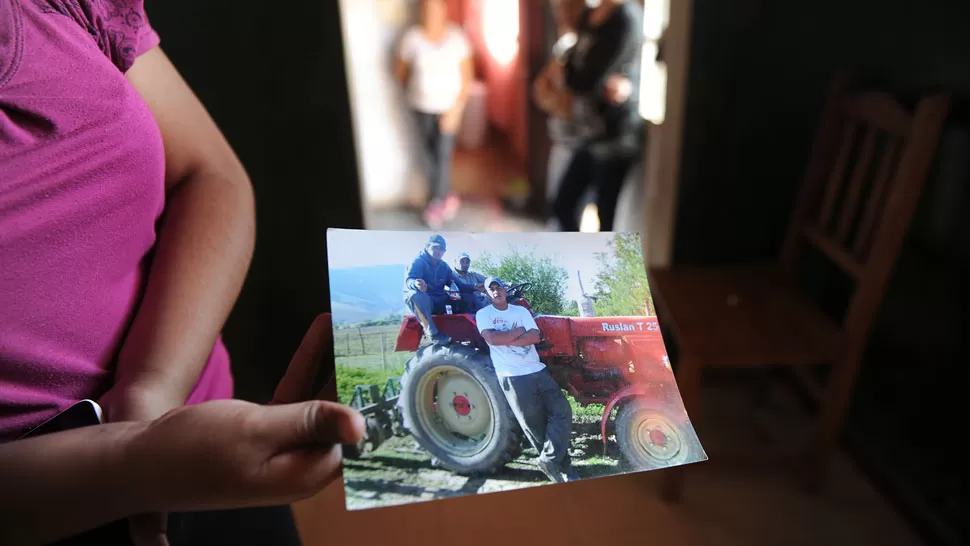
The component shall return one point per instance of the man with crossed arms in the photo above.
(537, 401)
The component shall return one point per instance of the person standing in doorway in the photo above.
(609, 42)
(563, 130)
(434, 63)
(574, 119)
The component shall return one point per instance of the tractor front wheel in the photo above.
(453, 406)
(650, 437)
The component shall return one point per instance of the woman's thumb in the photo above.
(313, 423)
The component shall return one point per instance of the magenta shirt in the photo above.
(81, 189)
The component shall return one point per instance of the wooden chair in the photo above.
(868, 165)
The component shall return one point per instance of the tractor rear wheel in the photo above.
(453, 406)
(650, 437)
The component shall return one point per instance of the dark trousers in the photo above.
(607, 174)
(544, 414)
(437, 150)
(471, 303)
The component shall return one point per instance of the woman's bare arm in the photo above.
(62, 484)
(402, 70)
(203, 252)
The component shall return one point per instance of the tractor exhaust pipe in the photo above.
(586, 305)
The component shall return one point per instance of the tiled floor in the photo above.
(480, 216)
(482, 176)
(727, 503)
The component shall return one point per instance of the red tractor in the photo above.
(451, 402)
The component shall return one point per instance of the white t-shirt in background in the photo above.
(435, 81)
(509, 360)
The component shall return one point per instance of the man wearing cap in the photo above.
(425, 285)
(536, 399)
(476, 300)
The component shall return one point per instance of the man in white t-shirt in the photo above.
(536, 399)
(434, 62)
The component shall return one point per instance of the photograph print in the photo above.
(487, 362)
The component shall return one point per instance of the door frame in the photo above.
(665, 142)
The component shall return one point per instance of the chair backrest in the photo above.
(869, 162)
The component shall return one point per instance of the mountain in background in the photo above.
(366, 293)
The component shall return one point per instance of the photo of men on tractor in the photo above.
(489, 378)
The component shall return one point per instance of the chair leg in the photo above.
(689, 382)
(832, 413)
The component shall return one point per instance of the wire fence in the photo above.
(376, 342)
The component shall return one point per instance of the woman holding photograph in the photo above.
(434, 62)
(126, 231)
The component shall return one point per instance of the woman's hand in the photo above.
(229, 454)
(313, 358)
(216, 455)
(148, 402)
(618, 89)
(449, 122)
(556, 72)
(264, 455)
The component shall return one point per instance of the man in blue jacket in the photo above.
(425, 285)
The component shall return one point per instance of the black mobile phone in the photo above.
(82, 414)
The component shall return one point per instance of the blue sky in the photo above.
(573, 251)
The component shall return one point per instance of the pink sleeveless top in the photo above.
(81, 189)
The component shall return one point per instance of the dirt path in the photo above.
(399, 472)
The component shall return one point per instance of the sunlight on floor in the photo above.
(590, 222)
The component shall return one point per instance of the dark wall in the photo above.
(756, 85)
(759, 69)
(272, 76)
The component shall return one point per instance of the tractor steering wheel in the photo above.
(516, 291)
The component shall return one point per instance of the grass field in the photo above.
(394, 360)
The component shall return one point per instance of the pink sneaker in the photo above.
(433, 215)
(450, 208)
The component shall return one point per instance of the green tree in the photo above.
(547, 294)
(571, 310)
(621, 286)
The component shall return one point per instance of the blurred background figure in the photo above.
(598, 83)
(572, 119)
(434, 63)
(562, 132)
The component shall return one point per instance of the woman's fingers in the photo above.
(329, 390)
(306, 439)
(297, 383)
(299, 474)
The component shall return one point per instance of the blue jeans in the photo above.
(437, 150)
(471, 303)
(423, 306)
